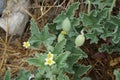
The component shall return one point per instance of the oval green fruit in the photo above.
(80, 39)
(66, 25)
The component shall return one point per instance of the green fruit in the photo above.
(66, 25)
(79, 40)
(61, 37)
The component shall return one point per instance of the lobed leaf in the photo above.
(38, 37)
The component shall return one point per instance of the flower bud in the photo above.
(79, 40)
(61, 37)
(66, 25)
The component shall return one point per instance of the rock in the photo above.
(2, 5)
(14, 17)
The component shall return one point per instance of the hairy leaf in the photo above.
(80, 70)
(41, 37)
(34, 28)
(76, 54)
(38, 61)
(61, 58)
(59, 47)
(23, 75)
(71, 9)
(62, 76)
(7, 75)
(117, 74)
(86, 78)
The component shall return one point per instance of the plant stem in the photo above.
(82, 32)
(89, 6)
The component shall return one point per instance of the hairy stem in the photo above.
(89, 7)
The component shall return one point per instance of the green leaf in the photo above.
(104, 47)
(94, 23)
(33, 27)
(76, 54)
(80, 52)
(116, 34)
(52, 28)
(72, 59)
(70, 44)
(105, 3)
(35, 41)
(40, 73)
(75, 22)
(118, 15)
(49, 47)
(61, 58)
(80, 70)
(59, 19)
(101, 4)
(23, 75)
(71, 9)
(62, 76)
(108, 30)
(41, 37)
(87, 20)
(72, 34)
(94, 18)
(86, 78)
(59, 47)
(110, 48)
(69, 13)
(34, 61)
(45, 33)
(7, 75)
(117, 74)
(93, 37)
(38, 61)
(46, 36)
(35, 34)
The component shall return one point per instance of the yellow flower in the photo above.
(49, 59)
(26, 44)
(63, 32)
(49, 62)
(50, 55)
